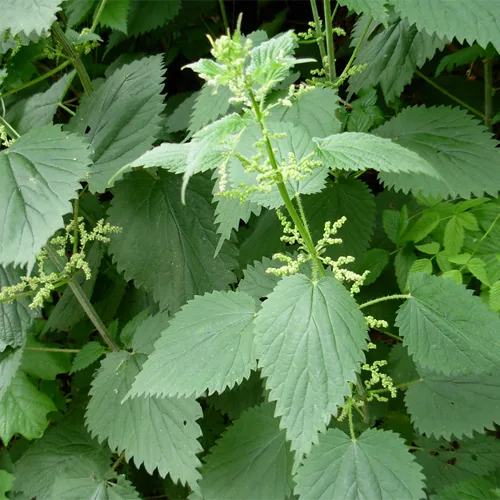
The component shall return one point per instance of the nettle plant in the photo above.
(237, 315)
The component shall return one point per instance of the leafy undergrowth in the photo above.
(262, 264)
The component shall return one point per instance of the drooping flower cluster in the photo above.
(291, 236)
(42, 284)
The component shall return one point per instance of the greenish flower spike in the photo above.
(41, 285)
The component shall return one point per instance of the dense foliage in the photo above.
(259, 265)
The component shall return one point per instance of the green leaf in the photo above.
(168, 441)
(468, 221)
(271, 61)
(156, 223)
(372, 8)
(350, 198)
(447, 329)
(308, 363)
(313, 110)
(446, 462)
(26, 16)
(172, 157)
(392, 56)
(16, 318)
(87, 483)
(453, 274)
(494, 296)
(390, 223)
(478, 269)
(454, 406)
(39, 175)
(23, 410)
(461, 57)
(375, 261)
(251, 460)
(114, 15)
(147, 15)
(209, 106)
(241, 397)
(6, 480)
(44, 364)
(230, 212)
(62, 448)
(121, 118)
(89, 354)
(210, 145)
(454, 235)
(403, 262)
(429, 248)
(462, 154)
(143, 331)
(357, 151)
(474, 489)
(474, 21)
(424, 226)
(207, 346)
(376, 464)
(421, 266)
(39, 109)
(256, 281)
(10, 361)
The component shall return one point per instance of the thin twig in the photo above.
(449, 94)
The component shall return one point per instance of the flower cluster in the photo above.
(42, 284)
(4, 138)
(341, 273)
(377, 377)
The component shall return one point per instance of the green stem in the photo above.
(98, 15)
(37, 80)
(320, 39)
(351, 423)
(362, 394)
(75, 222)
(330, 48)
(478, 244)
(488, 94)
(117, 463)
(405, 385)
(69, 111)
(11, 131)
(52, 349)
(73, 56)
(84, 302)
(224, 15)
(448, 94)
(344, 74)
(392, 335)
(303, 230)
(382, 299)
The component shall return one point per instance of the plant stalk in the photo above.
(97, 16)
(303, 230)
(73, 56)
(85, 303)
(488, 93)
(382, 299)
(448, 94)
(330, 48)
(344, 74)
(52, 349)
(37, 80)
(224, 15)
(320, 40)
(11, 131)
